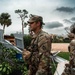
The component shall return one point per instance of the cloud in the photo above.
(67, 21)
(52, 25)
(57, 31)
(66, 9)
(73, 18)
(46, 10)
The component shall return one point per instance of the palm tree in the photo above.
(23, 15)
(5, 20)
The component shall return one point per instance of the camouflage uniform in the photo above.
(39, 60)
(70, 68)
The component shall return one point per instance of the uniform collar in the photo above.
(35, 35)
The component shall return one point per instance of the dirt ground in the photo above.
(63, 47)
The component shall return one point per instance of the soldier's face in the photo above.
(33, 26)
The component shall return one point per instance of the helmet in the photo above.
(72, 42)
(72, 28)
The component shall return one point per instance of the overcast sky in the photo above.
(57, 14)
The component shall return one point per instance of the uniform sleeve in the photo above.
(44, 50)
(72, 55)
(44, 44)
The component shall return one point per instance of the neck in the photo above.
(37, 31)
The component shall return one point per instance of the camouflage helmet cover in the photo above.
(35, 18)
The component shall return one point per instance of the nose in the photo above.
(29, 24)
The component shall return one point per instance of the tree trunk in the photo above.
(3, 29)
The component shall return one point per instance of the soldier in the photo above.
(70, 68)
(38, 53)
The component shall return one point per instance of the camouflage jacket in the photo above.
(40, 48)
(72, 53)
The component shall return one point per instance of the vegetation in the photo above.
(22, 14)
(60, 39)
(5, 20)
(27, 40)
(64, 55)
(10, 64)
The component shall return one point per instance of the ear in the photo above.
(38, 23)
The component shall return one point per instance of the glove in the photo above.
(26, 54)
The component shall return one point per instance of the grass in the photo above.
(64, 55)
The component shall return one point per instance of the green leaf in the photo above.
(1, 69)
(4, 69)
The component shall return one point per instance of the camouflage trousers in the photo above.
(39, 64)
(39, 69)
(34, 71)
(69, 71)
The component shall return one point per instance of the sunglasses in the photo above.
(31, 22)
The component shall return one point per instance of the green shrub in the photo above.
(9, 64)
(27, 40)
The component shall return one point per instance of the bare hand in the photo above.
(26, 54)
